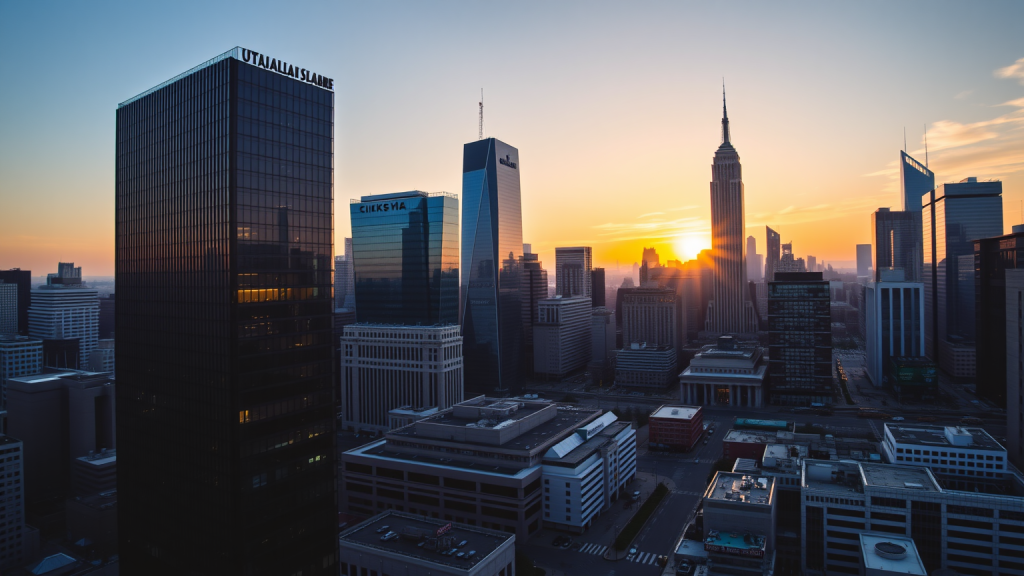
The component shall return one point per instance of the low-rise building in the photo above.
(643, 366)
(675, 427)
(594, 465)
(953, 450)
(747, 443)
(739, 525)
(729, 373)
(400, 544)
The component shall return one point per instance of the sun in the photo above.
(687, 246)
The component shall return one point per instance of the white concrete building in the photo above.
(956, 450)
(385, 366)
(19, 356)
(12, 504)
(66, 311)
(894, 317)
(584, 473)
(561, 336)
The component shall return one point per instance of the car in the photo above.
(559, 540)
(566, 543)
(470, 554)
(898, 419)
(662, 560)
(452, 552)
(389, 536)
(632, 551)
(463, 543)
(460, 555)
(383, 529)
(636, 495)
(696, 460)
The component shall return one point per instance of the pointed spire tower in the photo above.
(730, 310)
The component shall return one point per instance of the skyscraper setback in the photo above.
(730, 309)
(492, 241)
(225, 398)
(773, 253)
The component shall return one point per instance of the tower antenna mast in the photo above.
(904, 139)
(925, 145)
(481, 114)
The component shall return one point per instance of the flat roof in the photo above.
(750, 436)
(413, 530)
(380, 450)
(891, 553)
(676, 412)
(735, 540)
(392, 196)
(935, 436)
(896, 476)
(580, 453)
(832, 476)
(743, 489)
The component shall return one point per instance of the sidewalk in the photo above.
(645, 483)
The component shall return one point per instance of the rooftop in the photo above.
(741, 489)
(418, 538)
(735, 543)
(943, 436)
(891, 553)
(676, 412)
(896, 476)
(830, 476)
(750, 436)
(575, 449)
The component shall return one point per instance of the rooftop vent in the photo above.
(891, 550)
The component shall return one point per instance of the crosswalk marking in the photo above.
(593, 549)
(644, 558)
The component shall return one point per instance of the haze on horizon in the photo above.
(615, 110)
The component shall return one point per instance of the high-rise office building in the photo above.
(534, 288)
(492, 239)
(953, 216)
(225, 392)
(993, 258)
(773, 253)
(789, 262)
(561, 336)
(344, 280)
(650, 315)
(8, 308)
(66, 312)
(19, 356)
(385, 367)
(107, 315)
(915, 181)
(23, 280)
(573, 267)
(597, 286)
(755, 261)
(897, 242)
(730, 309)
(405, 258)
(799, 339)
(1015, 365)
(863, 260)
(12, 512)
(894, 318)
(650, 256)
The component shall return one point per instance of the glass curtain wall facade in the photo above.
(773, 253)
(897, 239)
(953, 216)
(799, 339)
(405, 251)
(225, 403)
(992, 258)
(492, 242)
(915, 181)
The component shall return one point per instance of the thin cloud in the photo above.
(1015, 70)
(649, 214)
(963, 94)
(1019, 103)
(650, 230)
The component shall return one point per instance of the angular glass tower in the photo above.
(915, 181)
(225, 403)
(492, 242)
(405, 248)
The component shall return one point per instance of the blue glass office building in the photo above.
(406, 258)
(225, 397)
(915, 181)
(492, 242)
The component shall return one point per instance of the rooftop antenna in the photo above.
(904, 139)
(925, 145)
(481, 114)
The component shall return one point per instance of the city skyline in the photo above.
(650, 132)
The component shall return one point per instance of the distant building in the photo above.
(102, 358)
(12, 511)
(23, 280)
(727, 373)
(533, 289)
(897, 242)
(597, 284)
(863, 260)
(446, 465)
(1014, 366)
(643, 366)
(8, 308)
(894, 314)
(107, 315)
(573, 267)
(491, 294)
(344, 280)
(404, 258)
(386, 366)
(561, 336)
(755, 261)
(812, 264)
(675, 428)
(953, 216)
(419, 546)
(602, 337)
(947, 450)
(993, 258)
(773, 254)
(19, 356)
(649, 315)
(789, 262)
(650, 256)
(65, 309)
(915, 181)
(739, 524)
(800, 340)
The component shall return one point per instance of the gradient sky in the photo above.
(615, 109)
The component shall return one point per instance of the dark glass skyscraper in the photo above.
(953, 216)
(915, 181)
(492, 241)
(799, 339)
(897, 242)
(225, 402)
(23, 280)
(405, 251)
(772, 253)
(992, 258)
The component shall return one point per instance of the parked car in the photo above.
(633, 551)
(383, 529)
(898, 419)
